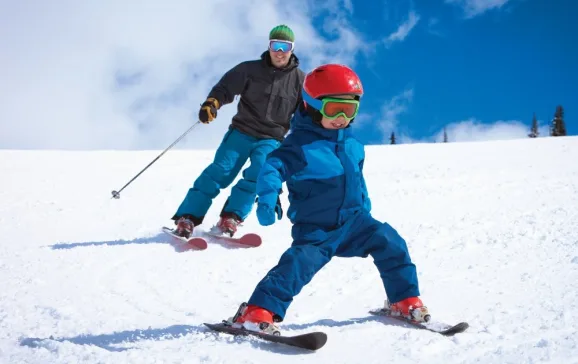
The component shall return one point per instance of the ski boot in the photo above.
(227, 225)
(184, 227)
(410, 308)
(254, 318)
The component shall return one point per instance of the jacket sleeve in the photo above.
(231, 84)
(301, 80)
(365, 194)
(280, 165)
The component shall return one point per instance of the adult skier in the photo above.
(270, 90)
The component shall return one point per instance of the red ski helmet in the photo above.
(331, 80)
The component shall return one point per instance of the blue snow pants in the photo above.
(233, 152)
(313, 248)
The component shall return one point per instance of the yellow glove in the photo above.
(208, 110)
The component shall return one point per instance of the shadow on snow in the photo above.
(120, 341)
(156, 239)
(108, 341)
(160, 238)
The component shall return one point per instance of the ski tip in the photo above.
(461, 327)
(251, 239)
(309, 341)
(319, 341)
(435, 326)
(198, 243)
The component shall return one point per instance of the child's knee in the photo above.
(386, 242)
(392, 236)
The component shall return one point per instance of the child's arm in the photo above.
(365, 194)
(281, 164)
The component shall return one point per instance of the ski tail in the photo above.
(184, 244)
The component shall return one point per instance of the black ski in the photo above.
(434, 326)
(309, 341)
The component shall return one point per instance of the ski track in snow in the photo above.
(491, 226)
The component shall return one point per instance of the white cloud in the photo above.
(461, 131)
(470, 130)
(474, 8)
(432, 27)
(390, 111)
(348, 5)
(62, 61)
(474, 130)
(404, 29)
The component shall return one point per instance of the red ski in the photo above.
(184, 244)
(249, 240)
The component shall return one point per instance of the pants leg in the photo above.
(297, 266)
(361, 236)
(368, 236)
(230, 157)
(243, 194)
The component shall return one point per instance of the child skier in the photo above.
(322, 165)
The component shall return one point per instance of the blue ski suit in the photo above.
(330, 211)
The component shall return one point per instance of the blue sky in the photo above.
(109, 75)
(453, 65)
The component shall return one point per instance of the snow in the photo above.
(491, 226)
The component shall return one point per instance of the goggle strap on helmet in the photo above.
(317, 104)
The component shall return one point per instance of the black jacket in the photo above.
(269, 96)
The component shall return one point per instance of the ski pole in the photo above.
(116, 194)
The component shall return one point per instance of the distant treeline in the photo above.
(557, 127)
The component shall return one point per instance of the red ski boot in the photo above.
(255, 318)
(228, 225)
(411, 308)
(184, 227)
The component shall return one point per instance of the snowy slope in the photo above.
(492, 228)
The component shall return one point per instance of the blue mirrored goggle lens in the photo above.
(277, 45)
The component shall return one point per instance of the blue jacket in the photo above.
(323, 170)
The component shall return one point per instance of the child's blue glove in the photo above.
(266, 214)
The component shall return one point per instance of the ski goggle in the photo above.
(280, 45)
(332, 108)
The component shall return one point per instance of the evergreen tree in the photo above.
(445, 136)
(392, 138)
(558, 127)
(534, 130)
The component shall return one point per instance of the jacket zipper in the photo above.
(339, 216)
(270, 101)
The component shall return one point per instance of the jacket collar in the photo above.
(302, 121)
(293, 61)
